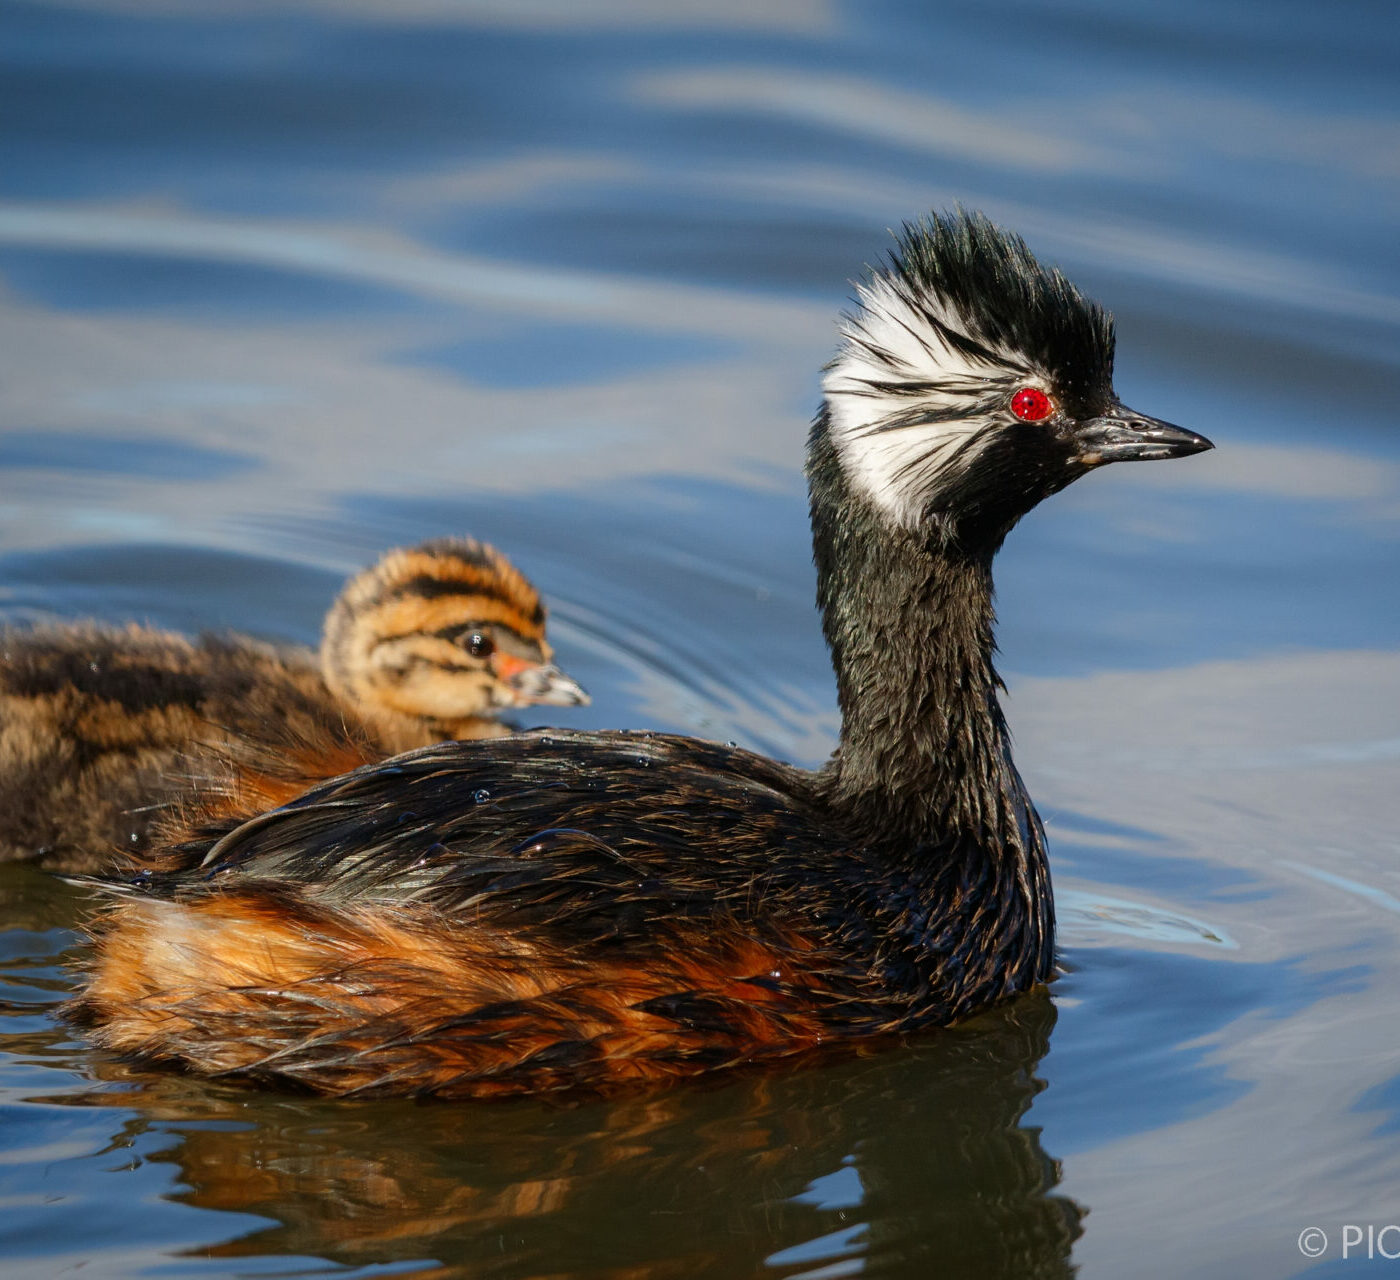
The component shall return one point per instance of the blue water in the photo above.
(284, 285)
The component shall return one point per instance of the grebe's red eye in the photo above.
(1031, 404)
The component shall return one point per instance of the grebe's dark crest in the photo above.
(587, 910)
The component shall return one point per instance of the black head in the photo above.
(973, 382)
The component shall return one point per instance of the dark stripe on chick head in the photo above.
(460, 566)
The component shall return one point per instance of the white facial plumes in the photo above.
(911, 395)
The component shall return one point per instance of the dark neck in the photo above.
(924, 753)
(923, 771)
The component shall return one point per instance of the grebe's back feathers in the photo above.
(461, 830)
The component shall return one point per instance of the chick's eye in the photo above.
(1031, 404)
(480, 646)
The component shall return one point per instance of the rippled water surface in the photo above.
(284, 284)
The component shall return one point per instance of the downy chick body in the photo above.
(103, 729)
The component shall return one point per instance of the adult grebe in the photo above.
(586, 910)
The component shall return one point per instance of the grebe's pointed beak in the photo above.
(1121, 435)
(547, 684)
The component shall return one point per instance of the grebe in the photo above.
(103, 728)
(586, 910)
(433, 642)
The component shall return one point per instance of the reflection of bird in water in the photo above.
(101, 727)
(589, 910)
(921, 1158)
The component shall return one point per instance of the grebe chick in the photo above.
(589, 910)
(102, 729)
(433, 642)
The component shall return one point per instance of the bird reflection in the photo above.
(907, 1160)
